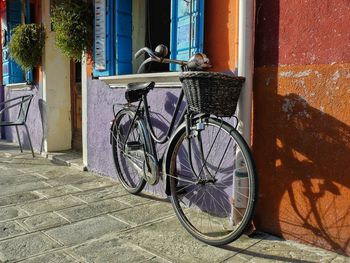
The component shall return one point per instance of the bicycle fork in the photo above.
(194, 131)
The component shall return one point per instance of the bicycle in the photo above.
(207, 169)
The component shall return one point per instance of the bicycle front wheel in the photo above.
(128, 163)
(212, 181)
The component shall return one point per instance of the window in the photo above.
(14, 13)
(124, 26)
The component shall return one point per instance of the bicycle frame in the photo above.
(173, 120)
(143, 112)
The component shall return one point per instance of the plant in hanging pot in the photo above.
(72, 22)
(26, 45)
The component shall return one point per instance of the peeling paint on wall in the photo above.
(288, 107)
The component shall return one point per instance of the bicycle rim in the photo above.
(128, 166)
(213, 199)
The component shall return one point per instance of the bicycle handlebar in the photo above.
(192, 63)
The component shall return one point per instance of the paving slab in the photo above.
(20, 188)
(5, 170)
(86, 230)
(146, 213)
(60, 181)
(25, 246)
(18, 178)
(95, 183)
(110, 251)
(272, 249)
(169, 240)
(47, 167)
(52, 204)
(11, 212)
(134, 200)
(57, 191)
(80, 181)
(157, 260)
(54, 171)
(19, 198)
(99, 194)
(93, 209)
(43, 221)
(57, 257)
(10, 229)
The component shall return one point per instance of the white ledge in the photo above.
(19, 86)
(164, 79)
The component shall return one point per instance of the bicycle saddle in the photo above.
(135, 91)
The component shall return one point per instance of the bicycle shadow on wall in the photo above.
(301, 153)
(308, 168)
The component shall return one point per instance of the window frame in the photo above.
(113, 26)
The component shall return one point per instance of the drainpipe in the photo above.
(2, 98)
(84, 105)
(246, 66)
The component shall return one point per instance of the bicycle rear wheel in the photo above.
(128, 163)
(213, 182)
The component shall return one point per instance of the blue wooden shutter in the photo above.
(123, 37)
(104, 38)
(12, 72)
(182, 47)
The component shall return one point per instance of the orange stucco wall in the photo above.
(220, 36)
(301, 131)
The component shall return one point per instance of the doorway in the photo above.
(76, 102)
(158, 29)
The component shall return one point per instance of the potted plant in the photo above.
(26, 45)
(72, 22)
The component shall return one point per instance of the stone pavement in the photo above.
(52, 213)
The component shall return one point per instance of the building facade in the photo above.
(300, 132)
(50, 112)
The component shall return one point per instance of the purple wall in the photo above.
(100, 113)
(34, 121)
(100, 101)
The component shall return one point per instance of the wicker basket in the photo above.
(210, 92)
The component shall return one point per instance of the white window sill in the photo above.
(164, 79)
(19, 86)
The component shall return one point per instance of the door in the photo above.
(76, 106)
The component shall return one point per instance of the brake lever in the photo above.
(145, 50)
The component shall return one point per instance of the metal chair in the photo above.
(22, 103)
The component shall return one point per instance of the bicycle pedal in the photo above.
(133, 146)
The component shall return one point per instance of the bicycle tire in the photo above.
(189, 198)
(129, 177)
